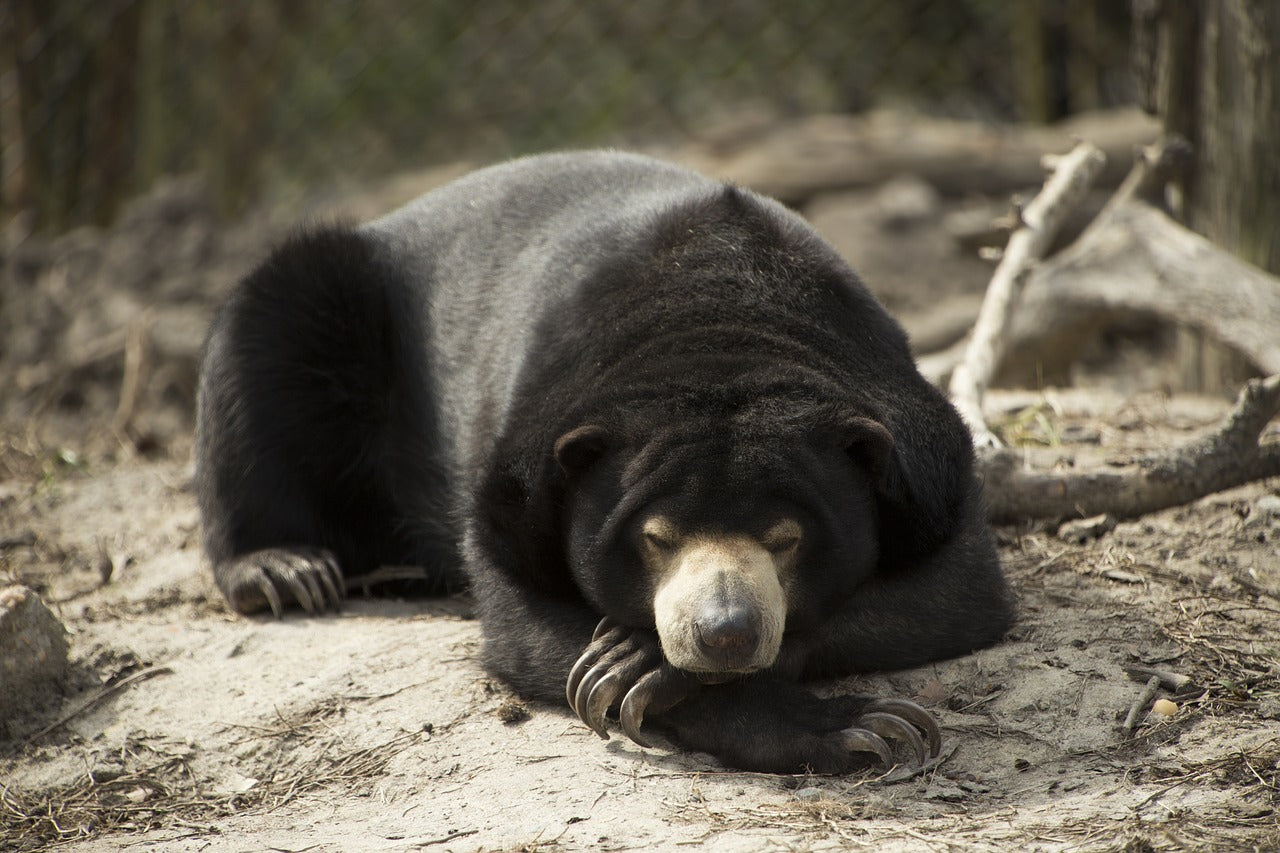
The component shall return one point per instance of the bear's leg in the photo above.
(531, 640)
(316, 439)
(951, 603)
(774, 725)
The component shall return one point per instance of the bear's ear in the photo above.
(579, 448)
(916, 500)
(870, 442)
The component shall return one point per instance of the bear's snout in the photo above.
(720, 607)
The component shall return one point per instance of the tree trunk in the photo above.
(1211, 70)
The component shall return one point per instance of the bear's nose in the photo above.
(728, 634)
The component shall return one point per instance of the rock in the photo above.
(33, 653)
(810, 795)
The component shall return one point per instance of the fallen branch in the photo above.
(1133, 260)
(1037, 224)
(1139, 261)
(806, 157)
(1139, 705)
(1232, 456)
(1174, 682)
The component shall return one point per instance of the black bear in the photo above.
(680, 455)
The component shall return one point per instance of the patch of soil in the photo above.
(376, 729)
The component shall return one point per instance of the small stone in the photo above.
(810, 795)
(512, 711)
(33, 652)
(1268, 505)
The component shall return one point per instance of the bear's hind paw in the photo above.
(275, 577)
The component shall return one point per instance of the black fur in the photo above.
(394, 394)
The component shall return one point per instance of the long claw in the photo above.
(599, 645)
(862, 740)
(314, 589)
(331, 580)
(581, 699)
(580, 667)
(605, 626)
(634, 704)
(599, 700)
(892, 726)
(914, 714)
(298, 588)
(273, 597)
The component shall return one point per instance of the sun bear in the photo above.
(677, 451)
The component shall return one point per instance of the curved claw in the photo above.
(582, 697)
(634, 704)
(599, 645)
(598, 701)
(268, 589)
(304, 590)
(914, 714)
(331, 579)
(892, 726)
(606, 625)
(862, 740)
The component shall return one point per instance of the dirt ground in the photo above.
(184, 727)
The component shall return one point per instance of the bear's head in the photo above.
(723, 538)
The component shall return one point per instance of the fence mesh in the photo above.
(99, 97)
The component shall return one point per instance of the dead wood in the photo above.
(1133, 260)
(1139, 261)
(807, 157)
(1037, 224)
(1233, 455)
(1139, 705)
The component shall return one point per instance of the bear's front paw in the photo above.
(895, 719)
(624, 662)
(772, 725)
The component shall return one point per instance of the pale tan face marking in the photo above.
(690, 571)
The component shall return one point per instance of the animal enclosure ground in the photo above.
(377, 730)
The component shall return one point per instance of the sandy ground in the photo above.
(183, 727)
(377, 730)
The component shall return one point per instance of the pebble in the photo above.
(33, 651)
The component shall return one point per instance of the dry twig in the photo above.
(1139, 705)
(97, 696)
(1037, 224)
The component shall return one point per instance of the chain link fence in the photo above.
(100, 97)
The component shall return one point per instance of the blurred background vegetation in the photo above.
(98, 98)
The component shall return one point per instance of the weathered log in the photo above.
(958, 158)
(1233, 455)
